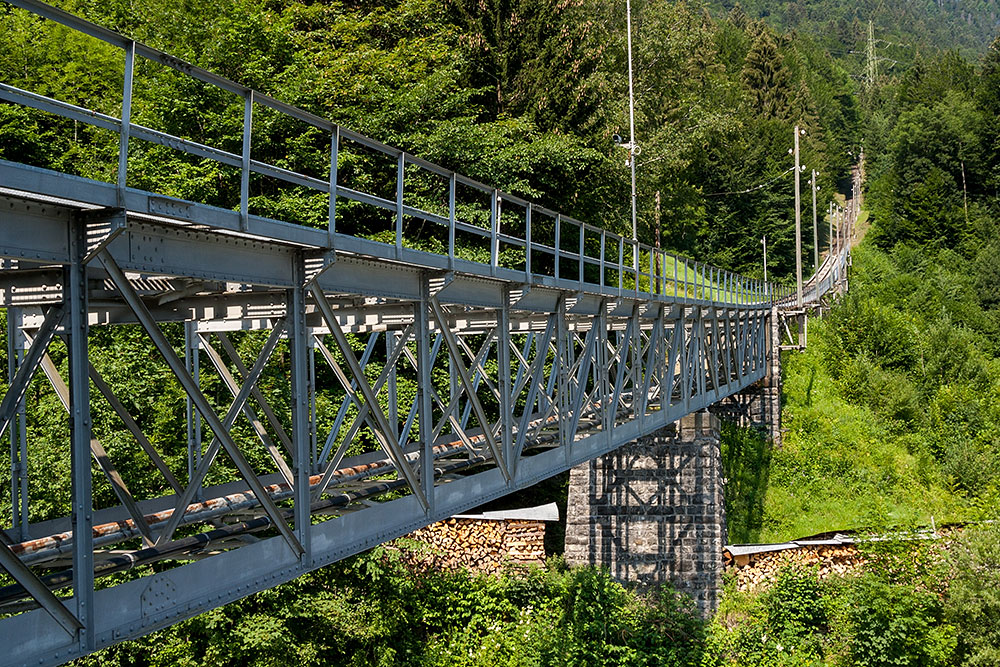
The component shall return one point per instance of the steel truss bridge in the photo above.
(446, 381)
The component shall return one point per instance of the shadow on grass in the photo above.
(746, 460)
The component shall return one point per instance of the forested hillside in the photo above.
(892, 412)
(903, 28)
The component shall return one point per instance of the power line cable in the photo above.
(754, 188)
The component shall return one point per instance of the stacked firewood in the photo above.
(478, 545)
(754, 571)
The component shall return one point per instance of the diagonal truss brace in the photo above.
(134, 429)
(255, 423)
(391, 446)
(100, 454)
(198, 398)
(198, 476)
(255, 391)
(46, 598)
(463, 374)
(364, 409)
(26, 371)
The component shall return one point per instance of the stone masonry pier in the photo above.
(652, 511)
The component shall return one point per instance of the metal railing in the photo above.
(573, 251)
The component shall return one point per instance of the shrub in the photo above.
(892, 625)
(973, 602)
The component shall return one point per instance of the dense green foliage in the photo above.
(892, 411)
(370, 610)
(912, 604)
(470, 86)
(903, 28)
(523, 96)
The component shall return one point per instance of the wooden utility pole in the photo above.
(657, 232)
(798, 222)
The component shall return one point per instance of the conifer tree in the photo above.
(767, 80)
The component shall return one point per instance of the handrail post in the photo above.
(583, 230)
(245, 161)
(621, 262)
(400, 169)
(452, 187)
(495, 231)
(527, 240)
(685, 278)
(126, 122)
(604, 240)
(653, 289)
(558, 243)
(334, 159)
(676, 286)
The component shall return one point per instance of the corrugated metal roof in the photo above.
(549, 512)
(747, 549)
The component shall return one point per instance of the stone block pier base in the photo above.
(652, 511)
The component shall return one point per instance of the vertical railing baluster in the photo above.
(495, 231)
(527, 240)
(676, 273)
(621, 262)
(400, 170)
(334, 161)
(126, 122)
(452, 187)
(653, 275)
(685, 278)
(245, 161)
(604, 242)
(558, 243)
(583, 231)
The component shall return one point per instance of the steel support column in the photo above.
(298, 338)
(80, 426)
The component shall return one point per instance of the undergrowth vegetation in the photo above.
(893, 412)
(915, 602)
(371, 610)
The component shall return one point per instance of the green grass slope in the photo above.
(892, 414)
